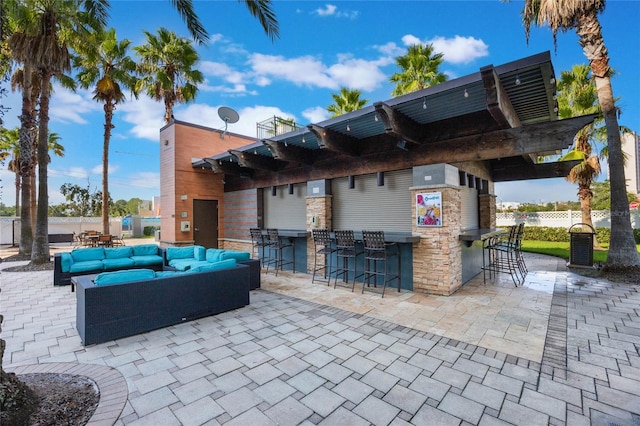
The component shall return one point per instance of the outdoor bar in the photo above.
(420, 168)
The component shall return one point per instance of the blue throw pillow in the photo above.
(118, 252)
(145, 250)
(180, 253)
(125, 275)
(223, 264)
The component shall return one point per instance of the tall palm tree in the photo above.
(577, 96)
(582, 15)
(107, 65)
(45, 30)
(166, 66)
(346, 101)
(419, 70)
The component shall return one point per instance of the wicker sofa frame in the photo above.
(110, 312)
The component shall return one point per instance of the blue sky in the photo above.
(322, 46)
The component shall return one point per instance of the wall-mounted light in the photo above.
(166, 142)
(380, 178)
(273, 191)
(402, 145)
(352, 182)
(224, 182)
(290, 188)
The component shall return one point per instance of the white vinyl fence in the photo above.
(10, 226)
(562, 219)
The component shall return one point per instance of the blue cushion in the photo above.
(147, 260)
(223, 264)
(199, 252)
(65, 261)
(118, 252)
(239, 256)
(180, 253)
(145, 250)
(123, 262)
(82, 254)
(86, 266)
(214, 255)
(123, 276)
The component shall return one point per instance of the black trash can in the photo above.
(581, 246)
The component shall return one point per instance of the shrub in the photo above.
(149, 231)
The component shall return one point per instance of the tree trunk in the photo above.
(585, 195)
(27, 136)
(18, 186)
(108, 118)
(40, 253)
(623, 252)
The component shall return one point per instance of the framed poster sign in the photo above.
(429, 209)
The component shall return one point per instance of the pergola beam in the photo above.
(333, 141)
(255, 161)
(398, 125)
(289, 153)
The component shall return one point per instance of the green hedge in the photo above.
(547, 233)
(148, 231)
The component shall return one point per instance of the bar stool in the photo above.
(275, 245)
(375, 252)
(258, 243)
(324, 249)
(346, 251)
(505, 257)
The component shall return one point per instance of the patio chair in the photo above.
(258, 244)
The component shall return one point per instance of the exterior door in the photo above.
(205, 223)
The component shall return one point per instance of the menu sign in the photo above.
(429, 209)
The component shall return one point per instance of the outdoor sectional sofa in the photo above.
(187, 257)
(113, 305)
(83, 261)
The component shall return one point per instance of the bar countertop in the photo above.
(480, 234)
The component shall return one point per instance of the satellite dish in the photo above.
(228, 115)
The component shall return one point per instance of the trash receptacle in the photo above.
(157, 235)
(581, 246)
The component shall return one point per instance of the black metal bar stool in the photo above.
(275, 245)
(375, 252)
(323, 247)
(258, 244)
(505, 257)
(346, 253)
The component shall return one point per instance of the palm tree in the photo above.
(260, 9)
(167, 69)
(419, 70)
(107, 66)
(43, 32)
(346, 101)
(10, 146)
(582, 16)
(577, 96)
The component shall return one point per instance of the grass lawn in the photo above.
(560, 249)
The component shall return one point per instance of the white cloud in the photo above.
(146, 116)
(224, 71)
(315, 114)
(69, 107)
(332, 10)
(456, 50)
(328, 10)
(390, 49)
(302, 71)
(309, 71)
(97, 170)
(146, 179)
